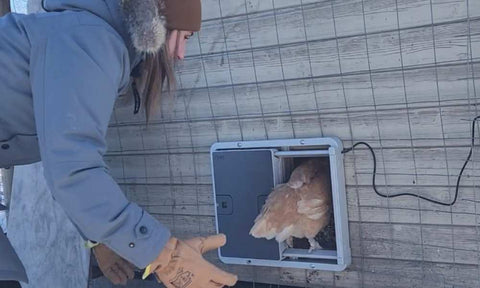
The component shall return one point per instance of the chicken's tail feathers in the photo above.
(259, 230)
(285, 234)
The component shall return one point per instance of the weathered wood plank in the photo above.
(167, 199)
(363, 205)
(432, 243)
(391, 273)
(327, 95)
(419, 128)
(417, 46)
(368, 272)
(380, 15)
(397, 164)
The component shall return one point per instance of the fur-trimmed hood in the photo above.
(145, 23)
(140, 22)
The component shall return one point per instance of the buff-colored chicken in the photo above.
(299, 208)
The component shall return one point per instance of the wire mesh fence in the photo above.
(401, 75)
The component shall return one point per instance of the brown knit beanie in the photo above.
(184, 14)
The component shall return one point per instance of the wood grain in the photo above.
(4, 7)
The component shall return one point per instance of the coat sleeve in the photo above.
(76, 76)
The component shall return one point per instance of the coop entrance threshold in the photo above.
(315, 254)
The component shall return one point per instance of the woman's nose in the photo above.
(176, 43)
(180, 53)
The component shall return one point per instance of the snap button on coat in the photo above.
(5, 146)
(143, 230)
(131, 245)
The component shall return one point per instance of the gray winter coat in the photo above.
(61, 73)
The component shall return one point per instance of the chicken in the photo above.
(300, 208)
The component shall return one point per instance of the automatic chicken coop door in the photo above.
(244, 173)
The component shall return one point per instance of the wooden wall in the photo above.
(400, 74)
(4, 7)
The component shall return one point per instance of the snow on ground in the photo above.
(3, 216)
(18, 6)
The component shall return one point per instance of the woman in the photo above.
(61, 73)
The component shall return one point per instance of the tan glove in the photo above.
(181, 264)
(114, 267)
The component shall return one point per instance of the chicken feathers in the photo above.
(300, 208)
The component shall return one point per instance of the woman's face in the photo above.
(176, 42)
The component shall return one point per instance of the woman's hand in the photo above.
(114, 267)
(181, 264)
(176, 43)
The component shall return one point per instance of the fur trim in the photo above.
(145, 23)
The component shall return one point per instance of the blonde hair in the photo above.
(156, 76)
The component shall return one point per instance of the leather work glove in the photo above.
(114, 267)
(181, 264)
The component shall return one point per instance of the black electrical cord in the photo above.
(346, 150)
